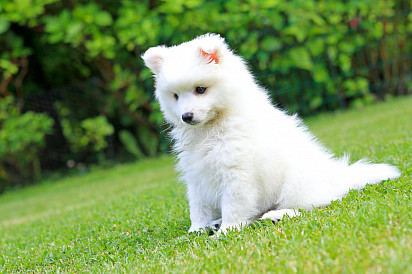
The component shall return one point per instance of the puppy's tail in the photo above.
(362, 173)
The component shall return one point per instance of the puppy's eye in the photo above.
(200, 90)
(176, 96)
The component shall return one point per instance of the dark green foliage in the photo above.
(21, 137)
(312, 55)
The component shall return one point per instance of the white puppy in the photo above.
(242, 158)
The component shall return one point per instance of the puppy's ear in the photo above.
(212, 48)
(153, 58)
(210, 57)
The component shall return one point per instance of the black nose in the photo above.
(187, 117)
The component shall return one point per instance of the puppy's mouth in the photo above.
(193, 123)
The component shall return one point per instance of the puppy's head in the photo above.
(189, 79)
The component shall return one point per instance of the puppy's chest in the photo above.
(207, 162)
(204, 155)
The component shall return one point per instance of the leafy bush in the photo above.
(21, 137)
(313, 55)
(87, 135)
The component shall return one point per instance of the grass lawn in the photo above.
(134, 217)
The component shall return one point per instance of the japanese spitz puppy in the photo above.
(241, 158)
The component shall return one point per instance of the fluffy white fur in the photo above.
(240, 157)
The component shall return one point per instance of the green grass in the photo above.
(134, 217)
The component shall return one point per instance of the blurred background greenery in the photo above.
(74, 91)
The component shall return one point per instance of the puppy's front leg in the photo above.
(202, 212)
(239, 206)
(200, 216)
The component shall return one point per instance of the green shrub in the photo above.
(21, 137)
(312, 55)
(87, 135)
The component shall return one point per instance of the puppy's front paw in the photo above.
(220, 233)
(224, 229)
(196, 229)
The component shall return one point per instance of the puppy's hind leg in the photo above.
(277, 215)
